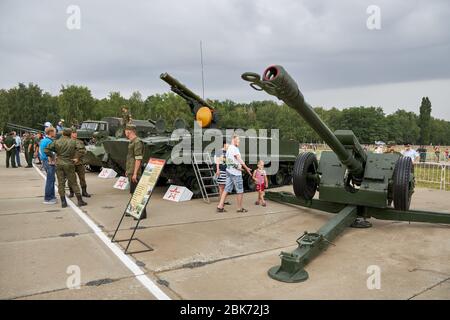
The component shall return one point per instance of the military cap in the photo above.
(74, 129)
(67, 131)
(130, 127)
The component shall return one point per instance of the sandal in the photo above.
(264, 204)
(227, 203)
(242, 210)
(220, 210)
(257, 203)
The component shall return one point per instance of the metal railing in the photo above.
(433, 174)
(429, 173)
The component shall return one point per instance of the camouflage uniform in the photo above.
(126, 119)
(80, 169)
(37, 141)
(29, 151)
(8, 142)
(65, 149)
(135, 152)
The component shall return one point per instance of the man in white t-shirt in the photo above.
(410, 153)
(234, 164)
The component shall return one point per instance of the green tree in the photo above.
(368, 124)
(169, 107)
(425, 121)
(75, 104)
(137, 106)
(403, 127)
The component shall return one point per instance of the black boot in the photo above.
(63, 202)
(84, 193)
(80, 201)
(71, 194)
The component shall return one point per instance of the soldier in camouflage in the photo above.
(28, 147)
(10, 145)
(134, 159)
(80, 169)
(66, 152)
(126, 116)
(126, 119)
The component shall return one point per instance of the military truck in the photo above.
(91, 131)
(94, 132)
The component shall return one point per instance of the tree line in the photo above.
(28, 105)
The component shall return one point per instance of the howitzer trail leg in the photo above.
(311, 245)
(410, 215)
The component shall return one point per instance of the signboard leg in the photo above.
(132, 235)
(138, 203)
(117, 229)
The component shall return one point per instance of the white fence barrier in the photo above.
(433, 173)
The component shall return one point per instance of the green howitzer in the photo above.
(353, 184)
(204, 112)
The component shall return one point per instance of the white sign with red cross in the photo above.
(122, 183)
(107, 174)
(178, 194)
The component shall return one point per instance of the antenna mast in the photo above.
(203, 76)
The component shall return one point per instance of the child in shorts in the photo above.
(260, 177)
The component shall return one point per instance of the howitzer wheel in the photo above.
(403, 185)
(305, 177)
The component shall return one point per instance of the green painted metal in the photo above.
(161, 144)
(310, 245)
(366, 212)
(187, 94)
(276, 81)
(348, 174)
(410, 215)
(353, 184)
(287, 197)
(374, 190)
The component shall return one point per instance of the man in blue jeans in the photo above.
(18, 147)
(235, 165)
(49, 166)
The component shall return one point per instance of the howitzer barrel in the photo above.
(276, 81)
(174, 83)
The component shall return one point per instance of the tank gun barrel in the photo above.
(277, 82)
(177, 87)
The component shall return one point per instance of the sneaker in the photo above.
(53, 201)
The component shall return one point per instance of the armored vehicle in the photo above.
(93, 133)
(162, 144)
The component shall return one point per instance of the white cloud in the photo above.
(325, 45)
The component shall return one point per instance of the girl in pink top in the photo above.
(260, 177)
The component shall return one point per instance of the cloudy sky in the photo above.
(325, 45)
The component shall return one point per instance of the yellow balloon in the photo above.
(204, 117)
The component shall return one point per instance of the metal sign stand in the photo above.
(132, 235)
(138, 220)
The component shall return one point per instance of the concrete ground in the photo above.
(199, 254)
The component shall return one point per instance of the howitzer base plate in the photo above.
(361, 223)
(277, 274)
